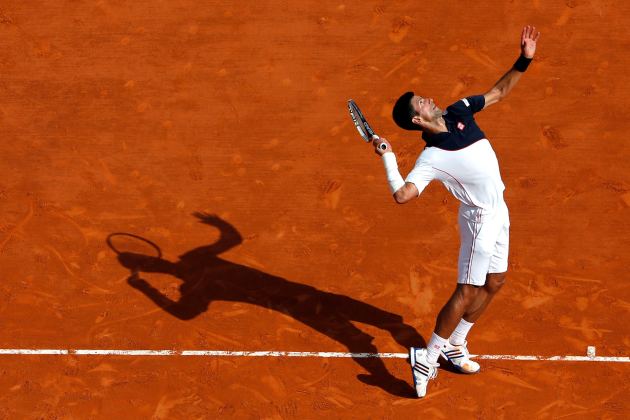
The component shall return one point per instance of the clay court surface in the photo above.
(218, 132)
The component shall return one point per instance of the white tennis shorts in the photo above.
(484, 245)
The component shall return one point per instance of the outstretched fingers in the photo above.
(529, 33)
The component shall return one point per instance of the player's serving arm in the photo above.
(429, 118)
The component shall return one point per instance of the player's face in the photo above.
(425, 108)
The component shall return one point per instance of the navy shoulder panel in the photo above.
(461, 125)
(468, 105)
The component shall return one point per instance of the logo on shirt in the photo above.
(460, 126)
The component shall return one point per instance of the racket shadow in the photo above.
(206, 278)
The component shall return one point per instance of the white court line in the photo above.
(227, 353)
(124, 352)
(32, 351)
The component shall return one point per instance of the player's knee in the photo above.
(467, 293)
(494, 282)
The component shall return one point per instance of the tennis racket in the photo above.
(362, 125)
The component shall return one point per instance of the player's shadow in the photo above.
(206, 277)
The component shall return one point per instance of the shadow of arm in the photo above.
(229, 238)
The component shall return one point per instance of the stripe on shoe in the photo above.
(421, 369)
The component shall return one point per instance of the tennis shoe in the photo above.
(459, 358)
(421, 369)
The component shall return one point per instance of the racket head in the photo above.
(361, 124)
(128, 243)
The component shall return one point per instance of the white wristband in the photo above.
(394, 178)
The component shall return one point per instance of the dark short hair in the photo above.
(403, 112)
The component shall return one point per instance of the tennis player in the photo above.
(458, 154)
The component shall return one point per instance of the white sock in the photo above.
(458, 337)
(433, 348)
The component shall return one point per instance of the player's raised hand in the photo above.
(378, 143)
(529, 36)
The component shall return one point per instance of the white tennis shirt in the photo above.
(471, 174)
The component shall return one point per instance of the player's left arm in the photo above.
(529, 37)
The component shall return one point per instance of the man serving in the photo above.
(458, 154)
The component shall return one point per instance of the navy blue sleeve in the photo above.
(468, 105)
(474, 103)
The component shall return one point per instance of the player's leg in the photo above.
(461, 301)
(424, 360)
(456, 349)
(457, 353)
(495, 279)
(494, 282)
(478, 238)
